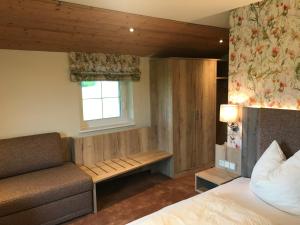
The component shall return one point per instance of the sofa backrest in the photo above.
(26, 154)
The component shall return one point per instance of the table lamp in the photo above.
(229, 114)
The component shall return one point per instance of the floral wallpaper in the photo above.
(99, 66)
(264, 57)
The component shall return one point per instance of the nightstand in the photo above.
(212, 178)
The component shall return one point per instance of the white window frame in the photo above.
(126, 109)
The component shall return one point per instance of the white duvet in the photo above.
(231, 203)
(209, 210)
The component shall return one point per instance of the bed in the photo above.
(234, 202)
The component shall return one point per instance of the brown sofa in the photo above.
(37, 184)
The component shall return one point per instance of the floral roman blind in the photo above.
(99, 66)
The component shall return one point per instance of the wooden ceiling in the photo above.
(48, 25)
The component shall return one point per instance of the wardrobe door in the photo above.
(205, 124)
(184, 100)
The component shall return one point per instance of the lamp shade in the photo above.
(229, 113)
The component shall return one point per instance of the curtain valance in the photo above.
(99, 66)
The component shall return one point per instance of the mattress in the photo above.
(237, 191)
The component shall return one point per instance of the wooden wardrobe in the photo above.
(183, 110)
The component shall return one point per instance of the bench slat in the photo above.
(122, 163)
(99, 171)
(106, 168)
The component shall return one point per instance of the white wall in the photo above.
(37, 96)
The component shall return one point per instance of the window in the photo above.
(100, 100)
(106, 104)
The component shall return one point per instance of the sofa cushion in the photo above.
(41, 187)
(25, 154)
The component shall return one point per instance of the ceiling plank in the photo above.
(58, 26)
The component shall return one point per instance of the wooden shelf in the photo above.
(104, 170)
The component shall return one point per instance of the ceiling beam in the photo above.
(47, 25)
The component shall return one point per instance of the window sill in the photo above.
(107, 127)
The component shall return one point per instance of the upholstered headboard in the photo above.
(261, 127)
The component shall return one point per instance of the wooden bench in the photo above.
(104, 170)
(107, 156)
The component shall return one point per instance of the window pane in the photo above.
(110, 89)
(111, 107)
(92, 109)
(91, 90)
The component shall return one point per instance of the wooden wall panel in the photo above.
(92, 149)
(206, 113)
(68, 148)
(78, 151)
(148, 140)
(51, 25)
(98, 148)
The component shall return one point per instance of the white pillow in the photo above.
(276, 180)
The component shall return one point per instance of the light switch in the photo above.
(232, 166)
(221, 163)
(226, 164)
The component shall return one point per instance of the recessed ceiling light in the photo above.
(131, 29)
(221, 41)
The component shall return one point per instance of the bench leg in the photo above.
(165, 167)
(95, 198)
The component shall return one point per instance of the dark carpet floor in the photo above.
(129, 198)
